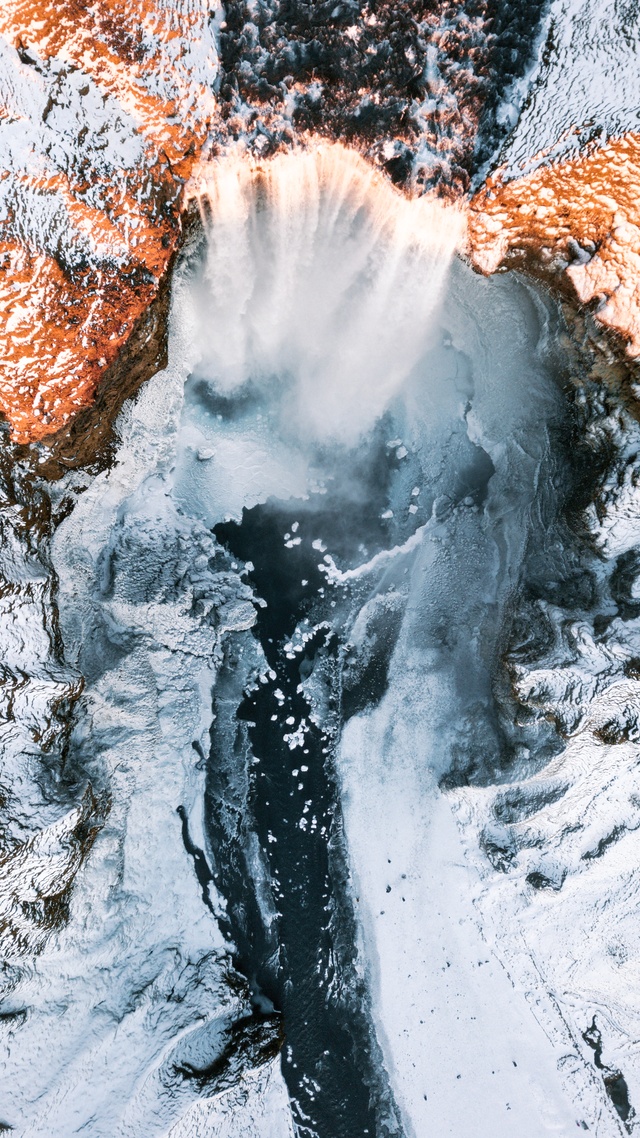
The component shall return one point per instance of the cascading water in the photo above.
(314, 304)
(371, 423)
(288, 601)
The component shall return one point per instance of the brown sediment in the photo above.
(576, 224)
(69, 313)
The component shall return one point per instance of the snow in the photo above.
(490, 1058)
(256, 1108)
(465, 1052)
(573, 829)
(308, 323)
(586, 85)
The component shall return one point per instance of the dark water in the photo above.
(303, 963)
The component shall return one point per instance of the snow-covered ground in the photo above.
(323, 305)
(585, 87)
(474, 1045)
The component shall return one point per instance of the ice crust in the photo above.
(137, 983)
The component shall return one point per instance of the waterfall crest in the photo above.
(320, 277)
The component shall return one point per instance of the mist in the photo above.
(319, 287)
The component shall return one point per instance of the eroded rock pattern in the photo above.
(104, 110)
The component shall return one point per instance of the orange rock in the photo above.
(579, 217)
(108, 109)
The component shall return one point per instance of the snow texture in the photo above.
(256, 1107)
(586, 86)
(138, 983)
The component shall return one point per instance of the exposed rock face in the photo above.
(414, 86)
(576, 220)
(36, 878)
(104, 111)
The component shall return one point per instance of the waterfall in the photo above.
(287, 602)
(320, 285)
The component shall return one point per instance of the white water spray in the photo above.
(321, 281)
(320, 303)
